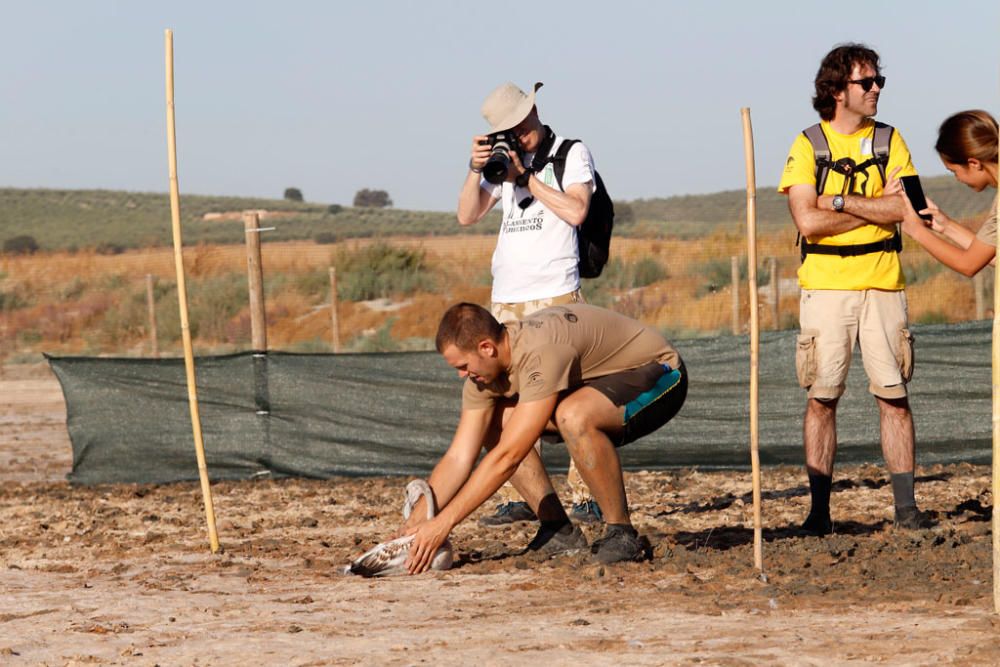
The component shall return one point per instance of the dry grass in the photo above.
(90, 303)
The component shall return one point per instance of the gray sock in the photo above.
(902, 489)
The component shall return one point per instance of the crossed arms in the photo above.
(814, 215)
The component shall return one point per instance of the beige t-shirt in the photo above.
(988, 232)
(558, 348)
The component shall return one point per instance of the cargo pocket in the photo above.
(904, 356)
(805, 357)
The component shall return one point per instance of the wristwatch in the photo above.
(522, 179)
(838, 203)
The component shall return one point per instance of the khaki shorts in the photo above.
(512, 312)
(832, 320)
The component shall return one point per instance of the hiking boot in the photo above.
(620, 543)
(586, 512)
(817, 525)
(911, 518)
(549, 541)
(508, 513)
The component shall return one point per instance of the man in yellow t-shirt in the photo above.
(846, 206)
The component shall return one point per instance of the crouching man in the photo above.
(599, 379)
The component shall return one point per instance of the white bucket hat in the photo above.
(507, 106)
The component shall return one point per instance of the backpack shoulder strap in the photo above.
(821, 149)
(881, 140)
(559, 159)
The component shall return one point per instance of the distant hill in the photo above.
(694, 215)
(71, 219)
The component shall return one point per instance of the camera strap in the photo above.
(541, 157)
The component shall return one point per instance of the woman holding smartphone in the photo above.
(967, 145)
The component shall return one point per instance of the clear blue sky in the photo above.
(333, 97)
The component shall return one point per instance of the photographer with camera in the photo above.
(535, 264)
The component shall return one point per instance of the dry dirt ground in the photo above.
(122, 574)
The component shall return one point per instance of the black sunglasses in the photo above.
(866, 83)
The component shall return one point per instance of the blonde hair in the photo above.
(968, 135)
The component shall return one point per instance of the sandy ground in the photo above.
(123, 575)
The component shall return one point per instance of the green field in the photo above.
(109, 219)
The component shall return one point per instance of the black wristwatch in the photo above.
(522, 180)
(838, 203)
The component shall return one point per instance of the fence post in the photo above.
(334, 308)
(775, 295)
(735, 261)
(979, 287)
(154, 346)
(255, 277)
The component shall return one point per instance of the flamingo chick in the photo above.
(389, 558)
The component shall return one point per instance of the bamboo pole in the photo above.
(334, 311)
(775, 294)
(255, 281)
(979, 289)
(734, 263)
(175, 217)
(154, 345)
(758, 557)
(995, 525)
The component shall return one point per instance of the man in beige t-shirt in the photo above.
(599, 379)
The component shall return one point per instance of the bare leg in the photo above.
(530, 479)
(508, 493)
(584, 419)
(896, 422)
(819, 435)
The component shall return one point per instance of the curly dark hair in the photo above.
(835, 71)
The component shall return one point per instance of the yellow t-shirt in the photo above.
(877, 270)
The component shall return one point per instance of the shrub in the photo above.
(293, 194)
(932, 317)
(623, 213)
(920, 271)
(372, 198)
(13, 300)
(718, 273)
(621, 275)
(109, 248)
(334, 209)
(325, 238)
(382, 270)
(21, 245)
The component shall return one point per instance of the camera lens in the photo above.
(495, 169)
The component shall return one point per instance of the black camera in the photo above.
(502, 143)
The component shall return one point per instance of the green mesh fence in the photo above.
(319, 415)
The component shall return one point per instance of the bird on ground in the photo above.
(389, 558)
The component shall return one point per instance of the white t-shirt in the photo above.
(536, 255)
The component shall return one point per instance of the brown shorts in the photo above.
(651, 394)
(833, 320)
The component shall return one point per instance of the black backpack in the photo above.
(593, 236)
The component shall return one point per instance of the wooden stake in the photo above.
(996, 440)
(735, 276)
(775, 295)
(979, 289)
(758, 557)
(255, 280)
(175, 217)
(334, 311)
(154, 346)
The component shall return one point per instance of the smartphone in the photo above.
(915, 193)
